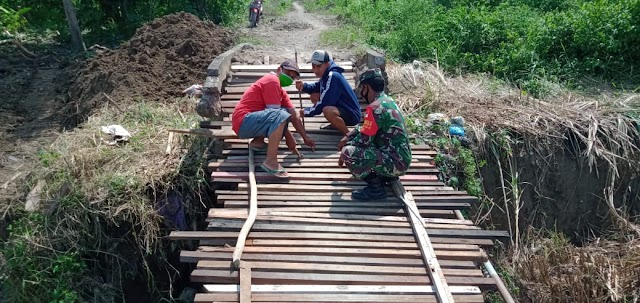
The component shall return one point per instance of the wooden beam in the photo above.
(224, 133)
(196, 256)
(329, 267)
(243, 176)
(285, 277)
(233, 235)
(253, 212)
(426, 248)
(460, 255)
(334, 297)
(245, 282)
(380, 289)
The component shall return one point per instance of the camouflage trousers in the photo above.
(362, 162)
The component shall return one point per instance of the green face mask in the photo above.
(285, 80)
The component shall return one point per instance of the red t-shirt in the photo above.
(265, 91)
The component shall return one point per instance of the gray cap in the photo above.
(320, 56)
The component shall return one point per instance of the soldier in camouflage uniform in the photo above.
(379, 150)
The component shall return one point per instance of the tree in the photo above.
(74, 28)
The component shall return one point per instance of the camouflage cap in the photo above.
(370, 74)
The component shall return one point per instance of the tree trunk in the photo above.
(74, 29)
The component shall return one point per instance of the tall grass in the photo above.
(524, 41)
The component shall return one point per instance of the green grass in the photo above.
(528, 43)
(98, 217)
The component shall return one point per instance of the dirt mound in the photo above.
(164, 57)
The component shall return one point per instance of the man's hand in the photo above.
(301, 112)
(340, 161)
(299, 85)
(342, 143)
(310, 142)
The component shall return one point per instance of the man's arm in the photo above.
(365, 134)
(297, 124)
(310, 88)
(329, 95)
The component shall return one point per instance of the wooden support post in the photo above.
(426, 248)
(253, 212)
(245, 282)
(300, 97)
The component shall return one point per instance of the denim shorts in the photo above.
(262, 123)
(347, 116)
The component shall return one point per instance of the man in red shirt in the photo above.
(264, 112)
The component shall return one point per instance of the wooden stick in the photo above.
(300, 96)
(245, 282)
(253, 212)
(426, 248)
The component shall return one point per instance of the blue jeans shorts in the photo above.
(262, 123)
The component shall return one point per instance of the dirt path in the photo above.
(282, 36)
(33, 94)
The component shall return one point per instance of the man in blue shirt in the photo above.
(332, 95)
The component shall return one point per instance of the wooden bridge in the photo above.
(305, 240)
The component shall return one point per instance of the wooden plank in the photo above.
(233, 235)
(273, 277)
(291, 90)
(343, 198)
(243, 176)
(260, 226)
(241, 143)
(325, 153)
(333, 298)
(360, 244)
(441, 190)
(423, 205)
(318, 289)
(339, 221)
(224, 133)
(320, 268)
(253, 212)
(346, 65)
(307, 183)
(428, 253)
(327, 168)
(360, 210)
(352, 183)
(196, 256)
(333, 150)
(463, 255)
(245, 282)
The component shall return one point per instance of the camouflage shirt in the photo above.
(384, 129)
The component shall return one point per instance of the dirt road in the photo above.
(281, 36)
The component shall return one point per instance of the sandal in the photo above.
(258, 150)
(278, 173)
(328, 126)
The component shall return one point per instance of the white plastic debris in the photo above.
(436, 118)
(117, 132)
(193, 90)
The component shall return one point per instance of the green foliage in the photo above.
(113, 21)
(31, 272)
(457, 164)
(47, 157)
(529, 42)
(12, 20)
